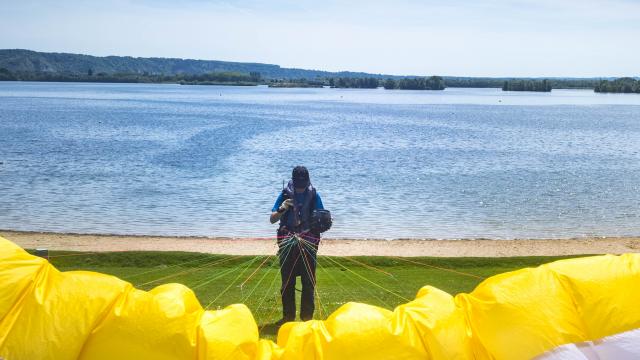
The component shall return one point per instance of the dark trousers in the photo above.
(297, 259)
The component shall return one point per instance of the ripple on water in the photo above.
(172, 160)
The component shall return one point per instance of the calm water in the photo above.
(179, 160)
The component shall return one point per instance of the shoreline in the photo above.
(329, 246)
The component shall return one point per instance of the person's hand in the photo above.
(286, 205)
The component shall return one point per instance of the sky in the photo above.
(545, 38)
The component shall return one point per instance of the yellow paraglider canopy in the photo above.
(45, 313)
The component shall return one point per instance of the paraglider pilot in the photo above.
(302, 218)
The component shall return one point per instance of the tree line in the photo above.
(296, 83)
(213, 78)
(409, 83)
(417, 83)
(622, 85)
(356, 83)
(527, 85)
(219, 78)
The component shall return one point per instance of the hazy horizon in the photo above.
(521, 38)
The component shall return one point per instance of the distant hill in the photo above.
(27, 61)
(27, 65)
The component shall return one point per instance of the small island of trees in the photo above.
(416, 83)
(353, 83)
(625, 85)
(295, 83)
(408, 83)
(527, 85)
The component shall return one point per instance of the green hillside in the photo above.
(27, 65)
(26, 61)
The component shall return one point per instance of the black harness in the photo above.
(298, 218)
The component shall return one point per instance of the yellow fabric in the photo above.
(48, 314)
(605, 290)
(520, 315)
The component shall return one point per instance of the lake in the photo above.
(210, 160)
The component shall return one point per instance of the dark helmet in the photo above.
(321, 221)
(300, 177)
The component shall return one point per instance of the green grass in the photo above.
(216, 279)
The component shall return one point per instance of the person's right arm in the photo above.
(280, 210)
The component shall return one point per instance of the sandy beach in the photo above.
(333, 247)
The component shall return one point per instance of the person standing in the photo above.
(297, 243)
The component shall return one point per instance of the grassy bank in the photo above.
(220, 280)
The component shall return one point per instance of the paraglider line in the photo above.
(232, 282)
(369, 281)
(255, 271)
(220, 275)
(215, 262)
(439, 268)
(358, 284)
(168, 267)
(288, 278)
(267, 270)
(309, 272)
(370, 267)
(266, 295)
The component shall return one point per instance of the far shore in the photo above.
(330, 246)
